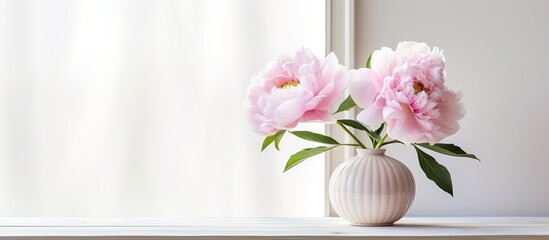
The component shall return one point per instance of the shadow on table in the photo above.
(431, 226)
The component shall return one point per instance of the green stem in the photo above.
(389, 142)
(352, 135)
(380, 143)
(348, 144)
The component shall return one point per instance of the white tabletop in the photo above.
(275, 228)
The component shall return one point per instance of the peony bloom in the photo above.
(405, 88)
(294, 89)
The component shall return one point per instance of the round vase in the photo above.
(372, 189)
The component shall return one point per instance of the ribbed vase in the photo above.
(372, 189)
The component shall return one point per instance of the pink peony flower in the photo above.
(294, 89)
(405, 88)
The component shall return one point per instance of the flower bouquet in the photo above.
(402, 98)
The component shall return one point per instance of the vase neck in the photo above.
(370, 151)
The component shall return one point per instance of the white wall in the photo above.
(497, 51)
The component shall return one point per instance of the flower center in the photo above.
(289, 84)
(418, 87)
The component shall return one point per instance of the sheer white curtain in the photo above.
(134, 109)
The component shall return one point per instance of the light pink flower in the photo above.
(294, 89)
(405, 88)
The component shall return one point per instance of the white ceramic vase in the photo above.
(372, 189)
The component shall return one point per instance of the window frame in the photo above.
(340, 39)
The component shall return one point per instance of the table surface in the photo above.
(275, 228)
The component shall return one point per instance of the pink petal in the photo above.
(364, 86)
(318, 115)
(410, 51)
(371, 116)
(404, 126)
(331, 60)
(383, 62)
(334, 76)
(288, 112)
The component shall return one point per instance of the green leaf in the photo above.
(315, 137)
(448, 149)
(391, 142)
(380, 129)
(277, 137)
(273, 138)
(435, 171)
(359, 126)
(378, 133)
(354, 124)
(347, 104)
(268, 140)
(367, 65)
(300, 156)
